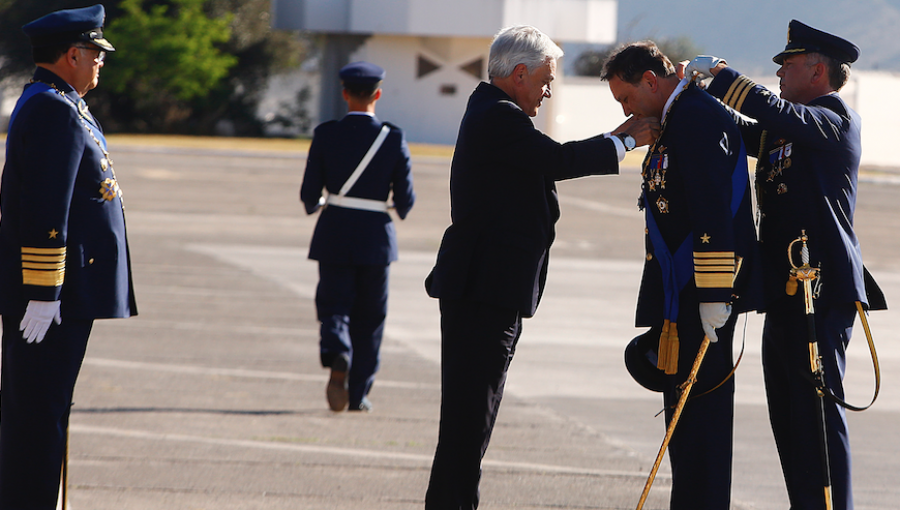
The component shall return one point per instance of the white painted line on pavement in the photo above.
(347, 452)
(238, 372)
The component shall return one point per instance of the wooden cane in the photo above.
(692, 378)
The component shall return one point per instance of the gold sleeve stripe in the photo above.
(714, 255)
(713, 280)
(714, 262)
(43, 278)
(43, 267)
(715, 269)
(743, 96)
(43, 259)
(738, 92)
(43, 251)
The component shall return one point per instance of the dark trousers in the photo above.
(478, 341)
(35, 396)
(791, 396)
(700, 451)
(351, 302)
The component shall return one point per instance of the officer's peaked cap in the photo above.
(361, 73)
(805, 39)
(640, 360)
(69, 26)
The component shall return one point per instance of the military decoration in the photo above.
(663, 205)
(109, 189)
(779, 158)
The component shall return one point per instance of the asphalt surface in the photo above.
(213, 396)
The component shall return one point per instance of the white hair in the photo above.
(520, 44)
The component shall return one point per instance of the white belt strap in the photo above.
(364, 204)
(360, 168)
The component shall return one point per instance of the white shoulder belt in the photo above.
(365, 204)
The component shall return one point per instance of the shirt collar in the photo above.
(678, 90)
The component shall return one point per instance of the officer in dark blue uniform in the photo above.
(808, 148)
(698, 271)
(359, 161)
(64, 257)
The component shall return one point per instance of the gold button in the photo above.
(649, 256)
(91, 261)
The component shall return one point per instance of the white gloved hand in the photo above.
(37, 319)
(714, 316)
(701, 65)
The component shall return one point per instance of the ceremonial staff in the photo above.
(806, 274)
(685, 392)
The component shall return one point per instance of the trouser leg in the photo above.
(700, 450)
(38, 380)
(792, 400)
(367, 327)
(334, 300)
(477, 345)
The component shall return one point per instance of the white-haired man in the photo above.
(492, 264)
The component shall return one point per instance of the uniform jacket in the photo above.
(807, 179)
(504, 204)
(62, 227)
(696, 196)
(352, 236)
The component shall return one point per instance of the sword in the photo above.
(686, 390)
(806, 274)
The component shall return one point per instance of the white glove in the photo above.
(37, 319)
(713, 316)
(700, 66)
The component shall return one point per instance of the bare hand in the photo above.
(679, 68)
(644, 130)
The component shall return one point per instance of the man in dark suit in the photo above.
(360, 161)
(64, 257)
(808, 148)
(492, 263)
(700, 260)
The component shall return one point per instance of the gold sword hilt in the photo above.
(804, 272)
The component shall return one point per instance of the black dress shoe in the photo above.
(336, 392)
(365, 405)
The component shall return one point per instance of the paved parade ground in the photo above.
(213, 397)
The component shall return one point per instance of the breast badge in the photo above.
(109, 189)
(663, 205)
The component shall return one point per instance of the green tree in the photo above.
(590, 63)
(172, 57)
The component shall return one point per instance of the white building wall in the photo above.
(583, 107)
(878, 103)
(422, 107)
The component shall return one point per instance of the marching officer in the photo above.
(808, 148)
(698, 270)
(64, 258)
(359, 161)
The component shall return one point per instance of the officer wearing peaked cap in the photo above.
(808, 146)
(360, 162)
(64, 259)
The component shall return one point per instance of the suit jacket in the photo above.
(697, 200)
(352, 236)
(504, 204)
(808, 162)
(62, 228)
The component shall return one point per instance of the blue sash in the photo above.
(677, 268)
